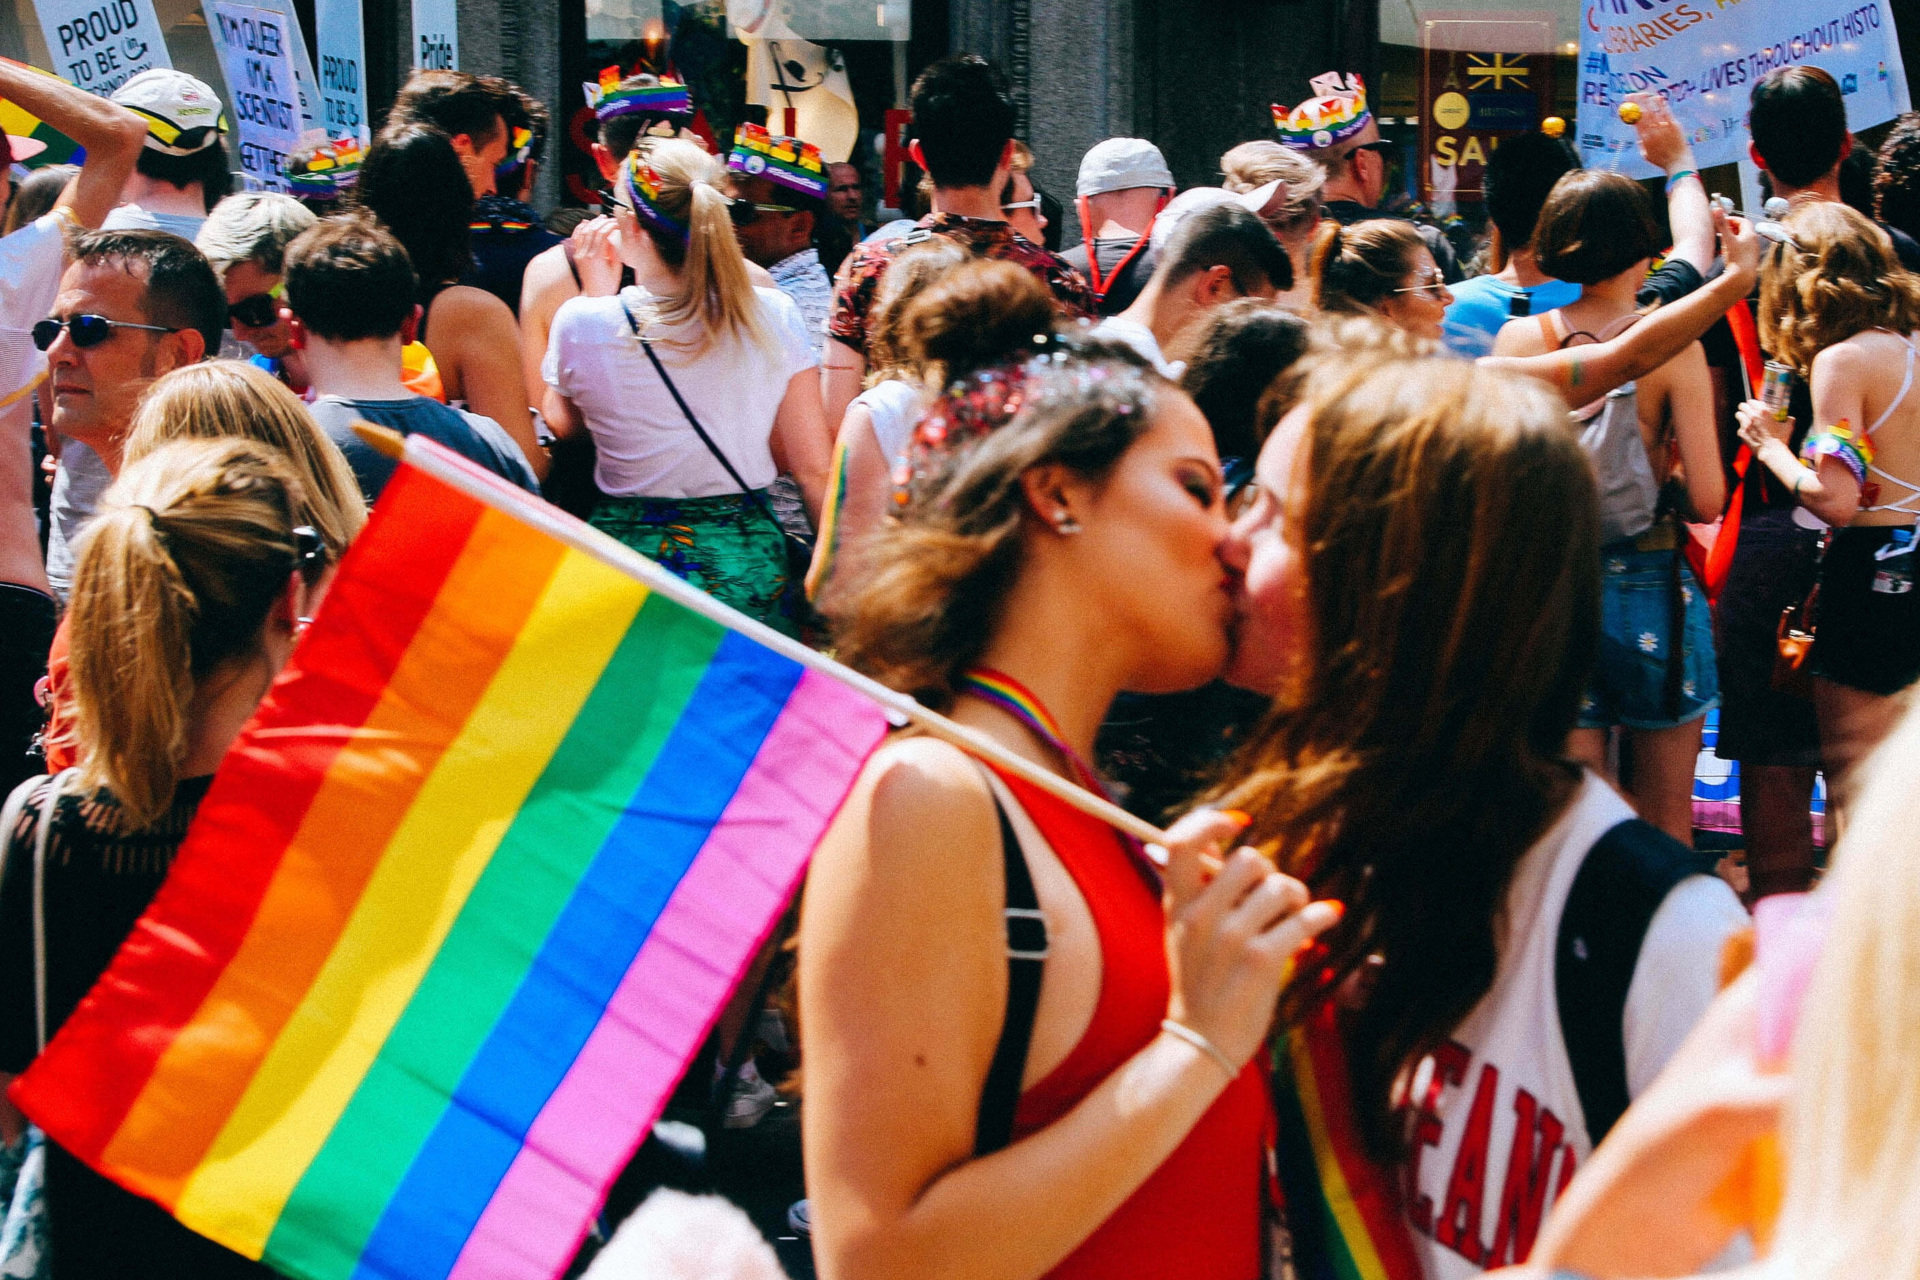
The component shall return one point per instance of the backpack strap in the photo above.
(1026, 962)
(1622, 882)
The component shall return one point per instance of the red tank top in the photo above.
(1199, 1215)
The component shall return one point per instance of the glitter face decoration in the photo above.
(785, 162)
(1338, 112)
(640, 189)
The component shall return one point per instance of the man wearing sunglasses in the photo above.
(245, 240)
(132, 306)
(776, 208)
(1337, 131)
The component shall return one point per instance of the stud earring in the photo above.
(1064, 523)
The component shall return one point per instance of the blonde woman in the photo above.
(1839, 308)
(225, 399)
(697, 387)
(1252, 165)
(187, 596)
(1644, 1205)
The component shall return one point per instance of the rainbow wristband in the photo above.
(1852, 448)
(1678, 176)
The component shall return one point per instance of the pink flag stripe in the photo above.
(719, 915)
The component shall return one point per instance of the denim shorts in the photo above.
(1637, 642)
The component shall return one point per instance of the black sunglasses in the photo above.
(745, 214)
(87, 330)
(310, 552)
(260, 311)
(1380, 148)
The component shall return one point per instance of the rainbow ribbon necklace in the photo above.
(1018, 701)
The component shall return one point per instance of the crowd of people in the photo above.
(1395, 576)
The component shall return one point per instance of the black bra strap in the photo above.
(1026, 961)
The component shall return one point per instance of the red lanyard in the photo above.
(1102, 284)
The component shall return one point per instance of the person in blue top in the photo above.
(351, 309)
(1520, 173)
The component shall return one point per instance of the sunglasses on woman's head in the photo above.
(87, 330)
(260, 310)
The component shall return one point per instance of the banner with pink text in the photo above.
(1705, 56)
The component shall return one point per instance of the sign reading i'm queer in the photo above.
(256, 52)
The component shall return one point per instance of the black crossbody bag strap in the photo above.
(753, 495)
(1026, 962)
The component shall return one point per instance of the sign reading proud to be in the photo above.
(101, 44)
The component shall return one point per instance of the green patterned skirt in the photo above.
(724, 545)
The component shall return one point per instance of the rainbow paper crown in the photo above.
(1336, 113)
(641, 186)
(329, 172)
(668, 97)
(787, 162)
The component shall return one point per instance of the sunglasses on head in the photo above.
(87, 330)
(258, 311)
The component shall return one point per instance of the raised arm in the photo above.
(111, 134)
(1588, 372)
(1664, 145)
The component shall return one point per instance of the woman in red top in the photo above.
(1069, 555)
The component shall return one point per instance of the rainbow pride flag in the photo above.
(465, 898)
(55, 147)
(1340, 1207)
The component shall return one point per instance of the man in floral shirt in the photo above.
(963, 137)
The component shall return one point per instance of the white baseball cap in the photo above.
(1195, 199)
(184, 115)
(1120, 164)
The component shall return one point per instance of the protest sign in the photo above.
(436, 35)
(256, 52)
(101, 44)
(339, 32)
(1705, 56)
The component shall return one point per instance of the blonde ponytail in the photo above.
(176, 576)
(715, 289)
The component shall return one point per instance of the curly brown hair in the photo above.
(1840, 277)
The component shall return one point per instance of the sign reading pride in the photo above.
(1705, 56)
(436, 35)
(256, 52)
(101, 44)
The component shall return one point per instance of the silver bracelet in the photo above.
(1181, 1031)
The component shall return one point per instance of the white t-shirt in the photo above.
(1480, 1193)
(894, 406)
(1141, 339)
(646, 448)
(30, 265)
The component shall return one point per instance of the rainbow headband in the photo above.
(667, 98)
(331, 171)
(1338, 112)
(641, 187)
(786, 162)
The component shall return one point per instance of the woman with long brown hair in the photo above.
(1837, 306)
(1421, 597)
(1021, 1060)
